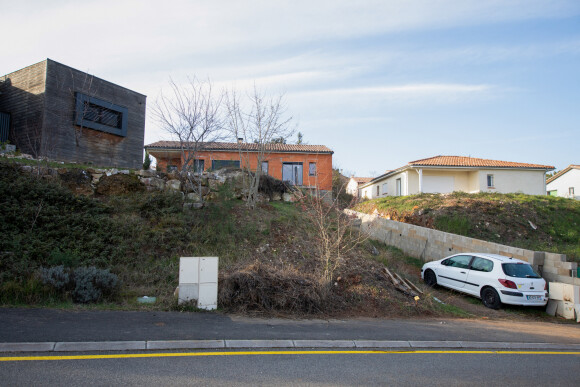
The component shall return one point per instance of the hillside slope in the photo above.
(269, 257)
(533, 222)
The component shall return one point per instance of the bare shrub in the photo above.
(262, 288)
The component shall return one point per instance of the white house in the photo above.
(352, 187)
(565, 183)
(445, 174)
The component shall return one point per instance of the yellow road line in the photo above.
(253, 353)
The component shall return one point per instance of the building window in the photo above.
(571, 191)
(378, 190)
(265, 167)
(490, 183)
(312, 169)
(384, 188)
(219, 164)
(292, 173)
(95, 113)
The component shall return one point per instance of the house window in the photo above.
(292, 173)
(571, 191)
(312, 169)
(398, 187)
(378, 190)
(384, 188)
(95, 113)
(219, 164)
(490, 183)
(265, 167)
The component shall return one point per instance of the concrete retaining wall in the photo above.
(429, 245)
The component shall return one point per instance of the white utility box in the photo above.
(198, 280)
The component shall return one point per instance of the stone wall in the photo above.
(112, 181)
(429, 245)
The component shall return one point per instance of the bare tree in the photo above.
(257, 124)
(191, 114)
(336, 232)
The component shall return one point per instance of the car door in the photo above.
(478, 275)
(453, 271)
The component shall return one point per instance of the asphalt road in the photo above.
(317, 368)
(41, 325)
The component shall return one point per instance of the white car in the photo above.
(493, 278)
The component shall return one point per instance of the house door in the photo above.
(292, 173)
(398, 187)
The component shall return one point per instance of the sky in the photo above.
(381, 83)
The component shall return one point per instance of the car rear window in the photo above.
(519, 270)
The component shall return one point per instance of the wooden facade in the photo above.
(42, 100)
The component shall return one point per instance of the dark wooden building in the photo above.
(65, 114)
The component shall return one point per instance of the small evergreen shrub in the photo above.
(85, 284)
(57, 277)
(92, 284)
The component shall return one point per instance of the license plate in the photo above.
(535, 298)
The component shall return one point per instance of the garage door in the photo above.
(438, 184)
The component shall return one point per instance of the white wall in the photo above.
(447, 181)
(513, 181)
(352, 187)
(564, 182)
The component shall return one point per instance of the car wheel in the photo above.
(430, 278)
(490, 298)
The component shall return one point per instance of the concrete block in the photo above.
(324, 344)
(483, 344)
(259, 344)
(381, 344)
(99, 346)
(564, 272)
(435, 344)
(568, 293)
(185, 344)
(568, 265)
(556, 291)
(549, 269)
(552, 307)
(555, 257)
(26, 347)
(577, 310)
(567, 310)
(569, 347)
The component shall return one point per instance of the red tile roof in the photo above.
(563, 171)
(234, 146)
(362, 180)
(462, 161)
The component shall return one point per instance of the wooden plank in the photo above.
(393, 279)
(413, 286)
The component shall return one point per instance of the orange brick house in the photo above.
(308, 166)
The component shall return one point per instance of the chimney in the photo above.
(240, 140)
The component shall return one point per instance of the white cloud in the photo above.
(112, 32)
(420, 92)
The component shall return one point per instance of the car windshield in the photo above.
(519, 270)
